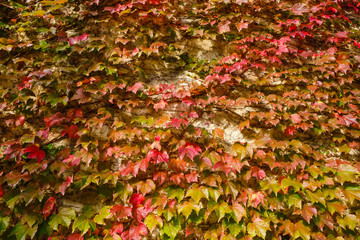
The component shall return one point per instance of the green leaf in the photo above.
(171, 229)
(350, 221)
(175, 192)
(221, 209)
(187, 207)
(104, 213)
(64, 217)
(352, 193)
(151, 221)
(346, 173)
(316, 196)
(83, 224)
(22, 231)
(4, 223)
(196, 193)
(302, 231)
(258, 227)
(295, 200)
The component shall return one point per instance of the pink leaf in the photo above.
(135, 87)
(190, 149)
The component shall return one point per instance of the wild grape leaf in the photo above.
(63, 217)
(83, 224)
(160, 105)
(187, 207)
(190, 149)
(35, 152)
(49, 207)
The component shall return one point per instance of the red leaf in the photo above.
(137, 199)
(135, 232)
(346, 119)
(157, 156)
(71, 131)
(75, 236)
(141, 212)
(190, 149)
(121, 211)
(192, 177)
(49, 207)
(289, 130)
(35, 152)
(55, 119)
(117, 228)
(1, 191)
(161, 176)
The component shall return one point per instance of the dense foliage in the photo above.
(95, 145)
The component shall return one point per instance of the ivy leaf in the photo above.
(21, 231)
(71, 131)
(75, 236)
(35, 152)
(238, 211)
(352, 193)
(302, 231)
(171, 229)
(104, 213)
(308, 212)
(49, 207)
(295, 200)
(63, 217)
(196, 193)
(157, 156)
(135, 232)
(258, 227)
(151, 221)
(289, 131)
(190, 149)
(83, 224)
(135, 87)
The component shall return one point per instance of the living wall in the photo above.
(107, 111)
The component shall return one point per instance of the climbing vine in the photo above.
(100, 138)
